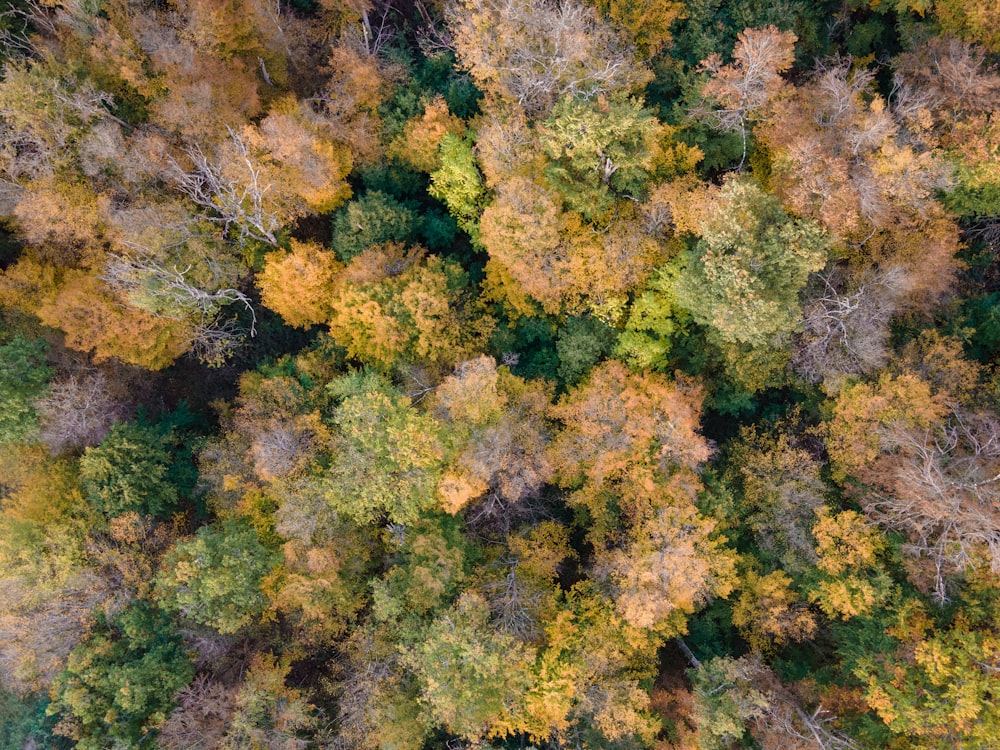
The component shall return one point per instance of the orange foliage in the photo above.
(537, 251)
(309, 162)
(499, 434)
(298, 285)
(94, 321)
(418, 143)
(617, 420)
(670, 566)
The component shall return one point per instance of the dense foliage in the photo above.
(595, 374)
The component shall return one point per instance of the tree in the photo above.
(930, 463)
(214, 578)
(945, 79)
(781, 490)
(599, 150)
(202, 715)
(743, 88)
(670, 566)
(727, 696)
(845, 327)
(521, 232)
(541, 255)
(267, 713)
(731, 693)
(373, 219)
(380, 702)
(498, 433)
(258, 181)
(744, 276)
(420, 142)
(48, 591)
(168, 292)
(582, 342)
(350, 98)
(471, 677)
(298, 284)
(840, 156)
(769, 613)
(387, 456)
(95, 321)
(129, 472)
(533, 53)
(588, 675)
(458, 183)
(976, 22)
(646, 23)
(271, 436)
(937, 686)
(23, 379)
(77, 412)
(617, 422)
(848, 547)
(119, 683)
(309, 162)
(655, 321)
(394, 305)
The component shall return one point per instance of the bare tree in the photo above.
(39, 627)
(738, 91)
(201, 718)
(535, 52)
(846, 326)
(282, 449)
(234, 194)
(945, 490)
(78, 412)
(512, 602)
(944, 77)
(169, 292)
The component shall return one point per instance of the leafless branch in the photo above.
(236, 204)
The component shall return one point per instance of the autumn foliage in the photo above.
(499, 374)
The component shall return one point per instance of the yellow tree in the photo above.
(298, 284)
(418, 143)
(394, 304)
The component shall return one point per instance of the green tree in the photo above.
(120, 682)
(582, 343)
(387, 456)
(599, 149)
(214, 578)
(23, 377)
(743, 277)
(472, 678)
(372, 219)
(459, 184)
(130, 471)
(654, 325)
(726, 697)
